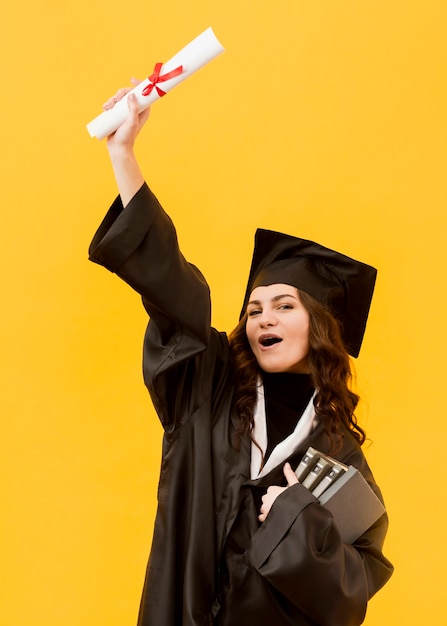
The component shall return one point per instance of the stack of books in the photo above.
(343, 490)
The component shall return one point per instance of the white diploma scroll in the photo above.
(195, 55)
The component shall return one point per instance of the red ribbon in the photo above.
(156, 78)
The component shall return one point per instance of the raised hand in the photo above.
(120, 144)
(124, 137)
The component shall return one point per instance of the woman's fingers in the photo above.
(137, 117)
(268, 499)
(274, 491)
(290, 475)
(110, 103)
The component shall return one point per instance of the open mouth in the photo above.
(269, 340)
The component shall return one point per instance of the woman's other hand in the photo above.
(274, 491)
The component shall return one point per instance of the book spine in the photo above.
(317, 473)
(334, 474)
(307, 463)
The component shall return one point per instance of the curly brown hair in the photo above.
(329, 367)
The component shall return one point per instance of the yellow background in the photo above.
(325, 119)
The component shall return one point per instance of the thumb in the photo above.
(290, 475)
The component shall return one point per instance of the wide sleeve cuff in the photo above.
(123, 229)
(289, 505)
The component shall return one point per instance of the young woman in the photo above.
(238, 540)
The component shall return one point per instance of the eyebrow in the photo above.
(274, 299)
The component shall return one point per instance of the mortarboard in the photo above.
(342, 284)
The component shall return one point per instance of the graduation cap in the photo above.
(343, 285)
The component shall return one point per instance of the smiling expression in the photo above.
(278, 329)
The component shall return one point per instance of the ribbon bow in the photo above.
(156, 78)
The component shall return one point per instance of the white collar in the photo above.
(285, 448)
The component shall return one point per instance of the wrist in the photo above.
(120, 153)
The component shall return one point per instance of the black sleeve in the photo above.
(139, 244)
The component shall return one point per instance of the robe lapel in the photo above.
(305, 426)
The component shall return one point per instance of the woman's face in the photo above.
(278, 329)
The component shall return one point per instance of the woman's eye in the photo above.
(285, 306)
(253, 312)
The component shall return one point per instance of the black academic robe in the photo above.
(211, 561)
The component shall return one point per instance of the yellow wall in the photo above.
(324, 118)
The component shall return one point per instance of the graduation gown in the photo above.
(211, 561)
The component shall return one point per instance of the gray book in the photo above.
(353, 504)
(343, 490)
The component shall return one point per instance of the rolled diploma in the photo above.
(195, 55)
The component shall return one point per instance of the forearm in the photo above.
(128, 175)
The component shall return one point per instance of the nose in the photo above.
(267, 318)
